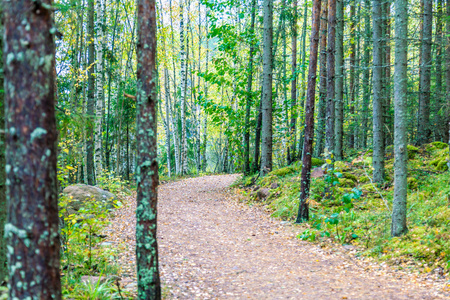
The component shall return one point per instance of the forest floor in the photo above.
(212, 246)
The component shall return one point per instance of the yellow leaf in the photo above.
(328, 161)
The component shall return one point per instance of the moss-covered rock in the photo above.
(317, 162)
(412, 183)
(442, 165)
(439, 145)
(340, 166)
(283, 171)
(363, 179)
(345, 182)
(435, 162)
(350, 176)
(412, 151)
(368, 188)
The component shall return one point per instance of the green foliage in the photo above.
(317, 162)
(82, 253)
(283, 171)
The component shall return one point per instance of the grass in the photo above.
(366, 223)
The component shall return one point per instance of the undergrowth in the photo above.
(347, 208)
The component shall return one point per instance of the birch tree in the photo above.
(100, 96)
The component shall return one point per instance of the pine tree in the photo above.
(31, 230)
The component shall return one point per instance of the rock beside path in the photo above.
(82, 193)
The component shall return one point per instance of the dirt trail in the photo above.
(212, 247)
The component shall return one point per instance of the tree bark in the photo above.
(303, 210)
(378, 120)
(100, 95)
(90, 168)
(321, 115)
(32, 227)
(400, 102)
(447, 72)
(183, 81)
(351, 84)
(149, 285)
(294, 115)
(329, 142)
(249, 92)
(438, 107)
(366, 75)
(3, 265)
(266, 101)
(339, 109)
(423, 126)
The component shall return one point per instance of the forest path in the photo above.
(213, 247)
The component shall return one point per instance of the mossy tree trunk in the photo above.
(149, 286)
(303, 209)
(32, 226)
(401, 112)
(3, 266)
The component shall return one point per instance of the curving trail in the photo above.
(213, 247)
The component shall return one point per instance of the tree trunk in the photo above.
(447, 72)
(3, 265)
(100, 95)
(339, 109)
(378, 120)
(438, 107)
(329, 142)
(249, 92)
(302, 90)
(183, 81)
(400, 102)
(366, 76)
(323, 81)
(387, 83)
(423, 126)
(90, 171)
(352, 98)
(266, 101)
(32, 226)
(149, 285)
(294, 115)
(303, 210)
(167, 121)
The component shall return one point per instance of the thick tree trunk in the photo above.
(329, 142)
(266, 101)
(400, 102)
(100, 95)
(249, 92)
(256, 163)
(339, 109)
(320, 131)
(378, 120)
(32, 227)
(294, 115)
(149, 286)
(90, 170)
(303, 85)
(303, 210)
(3, 265)
(423, 126)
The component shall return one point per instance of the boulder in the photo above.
(273, 186)
(81, 193)
(317, 172)
(262, 194)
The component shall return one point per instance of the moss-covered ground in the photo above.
(347, 208)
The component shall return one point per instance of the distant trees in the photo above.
(31, 230)
(3, 265)
(149, 286)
